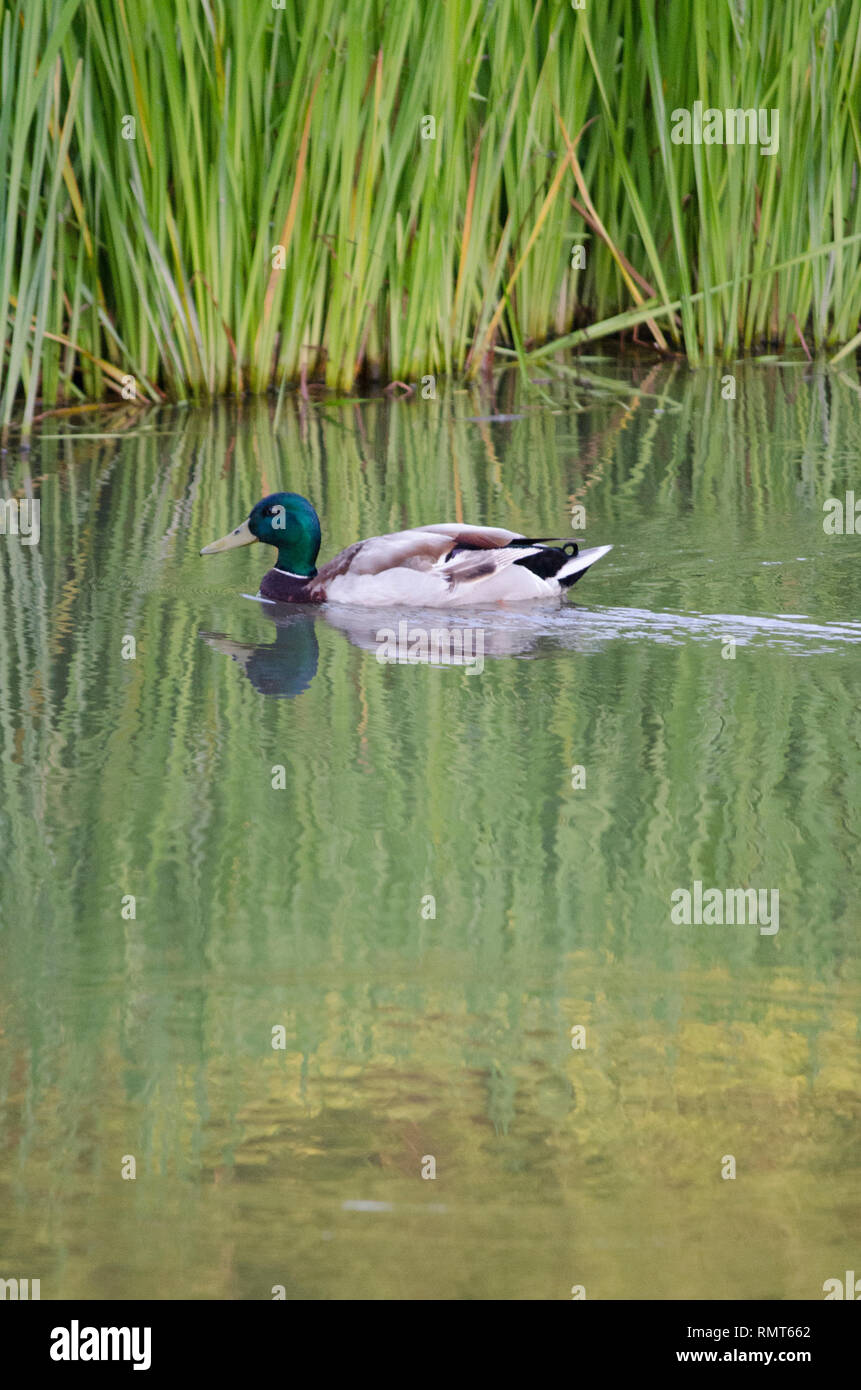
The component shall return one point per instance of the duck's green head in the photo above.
(285, 520)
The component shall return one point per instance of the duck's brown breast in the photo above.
(282, 587)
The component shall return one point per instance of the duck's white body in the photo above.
(424, 568)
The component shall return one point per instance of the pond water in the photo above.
(456, 868)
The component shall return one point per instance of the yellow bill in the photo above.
(241, 536)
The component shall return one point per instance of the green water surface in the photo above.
(429, 904)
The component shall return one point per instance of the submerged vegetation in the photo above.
(203, 198)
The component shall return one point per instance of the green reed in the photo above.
(204, 199)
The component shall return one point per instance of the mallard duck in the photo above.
(447, 565)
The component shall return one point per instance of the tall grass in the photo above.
(153, 156)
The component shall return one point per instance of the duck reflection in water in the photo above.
(285, 668)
